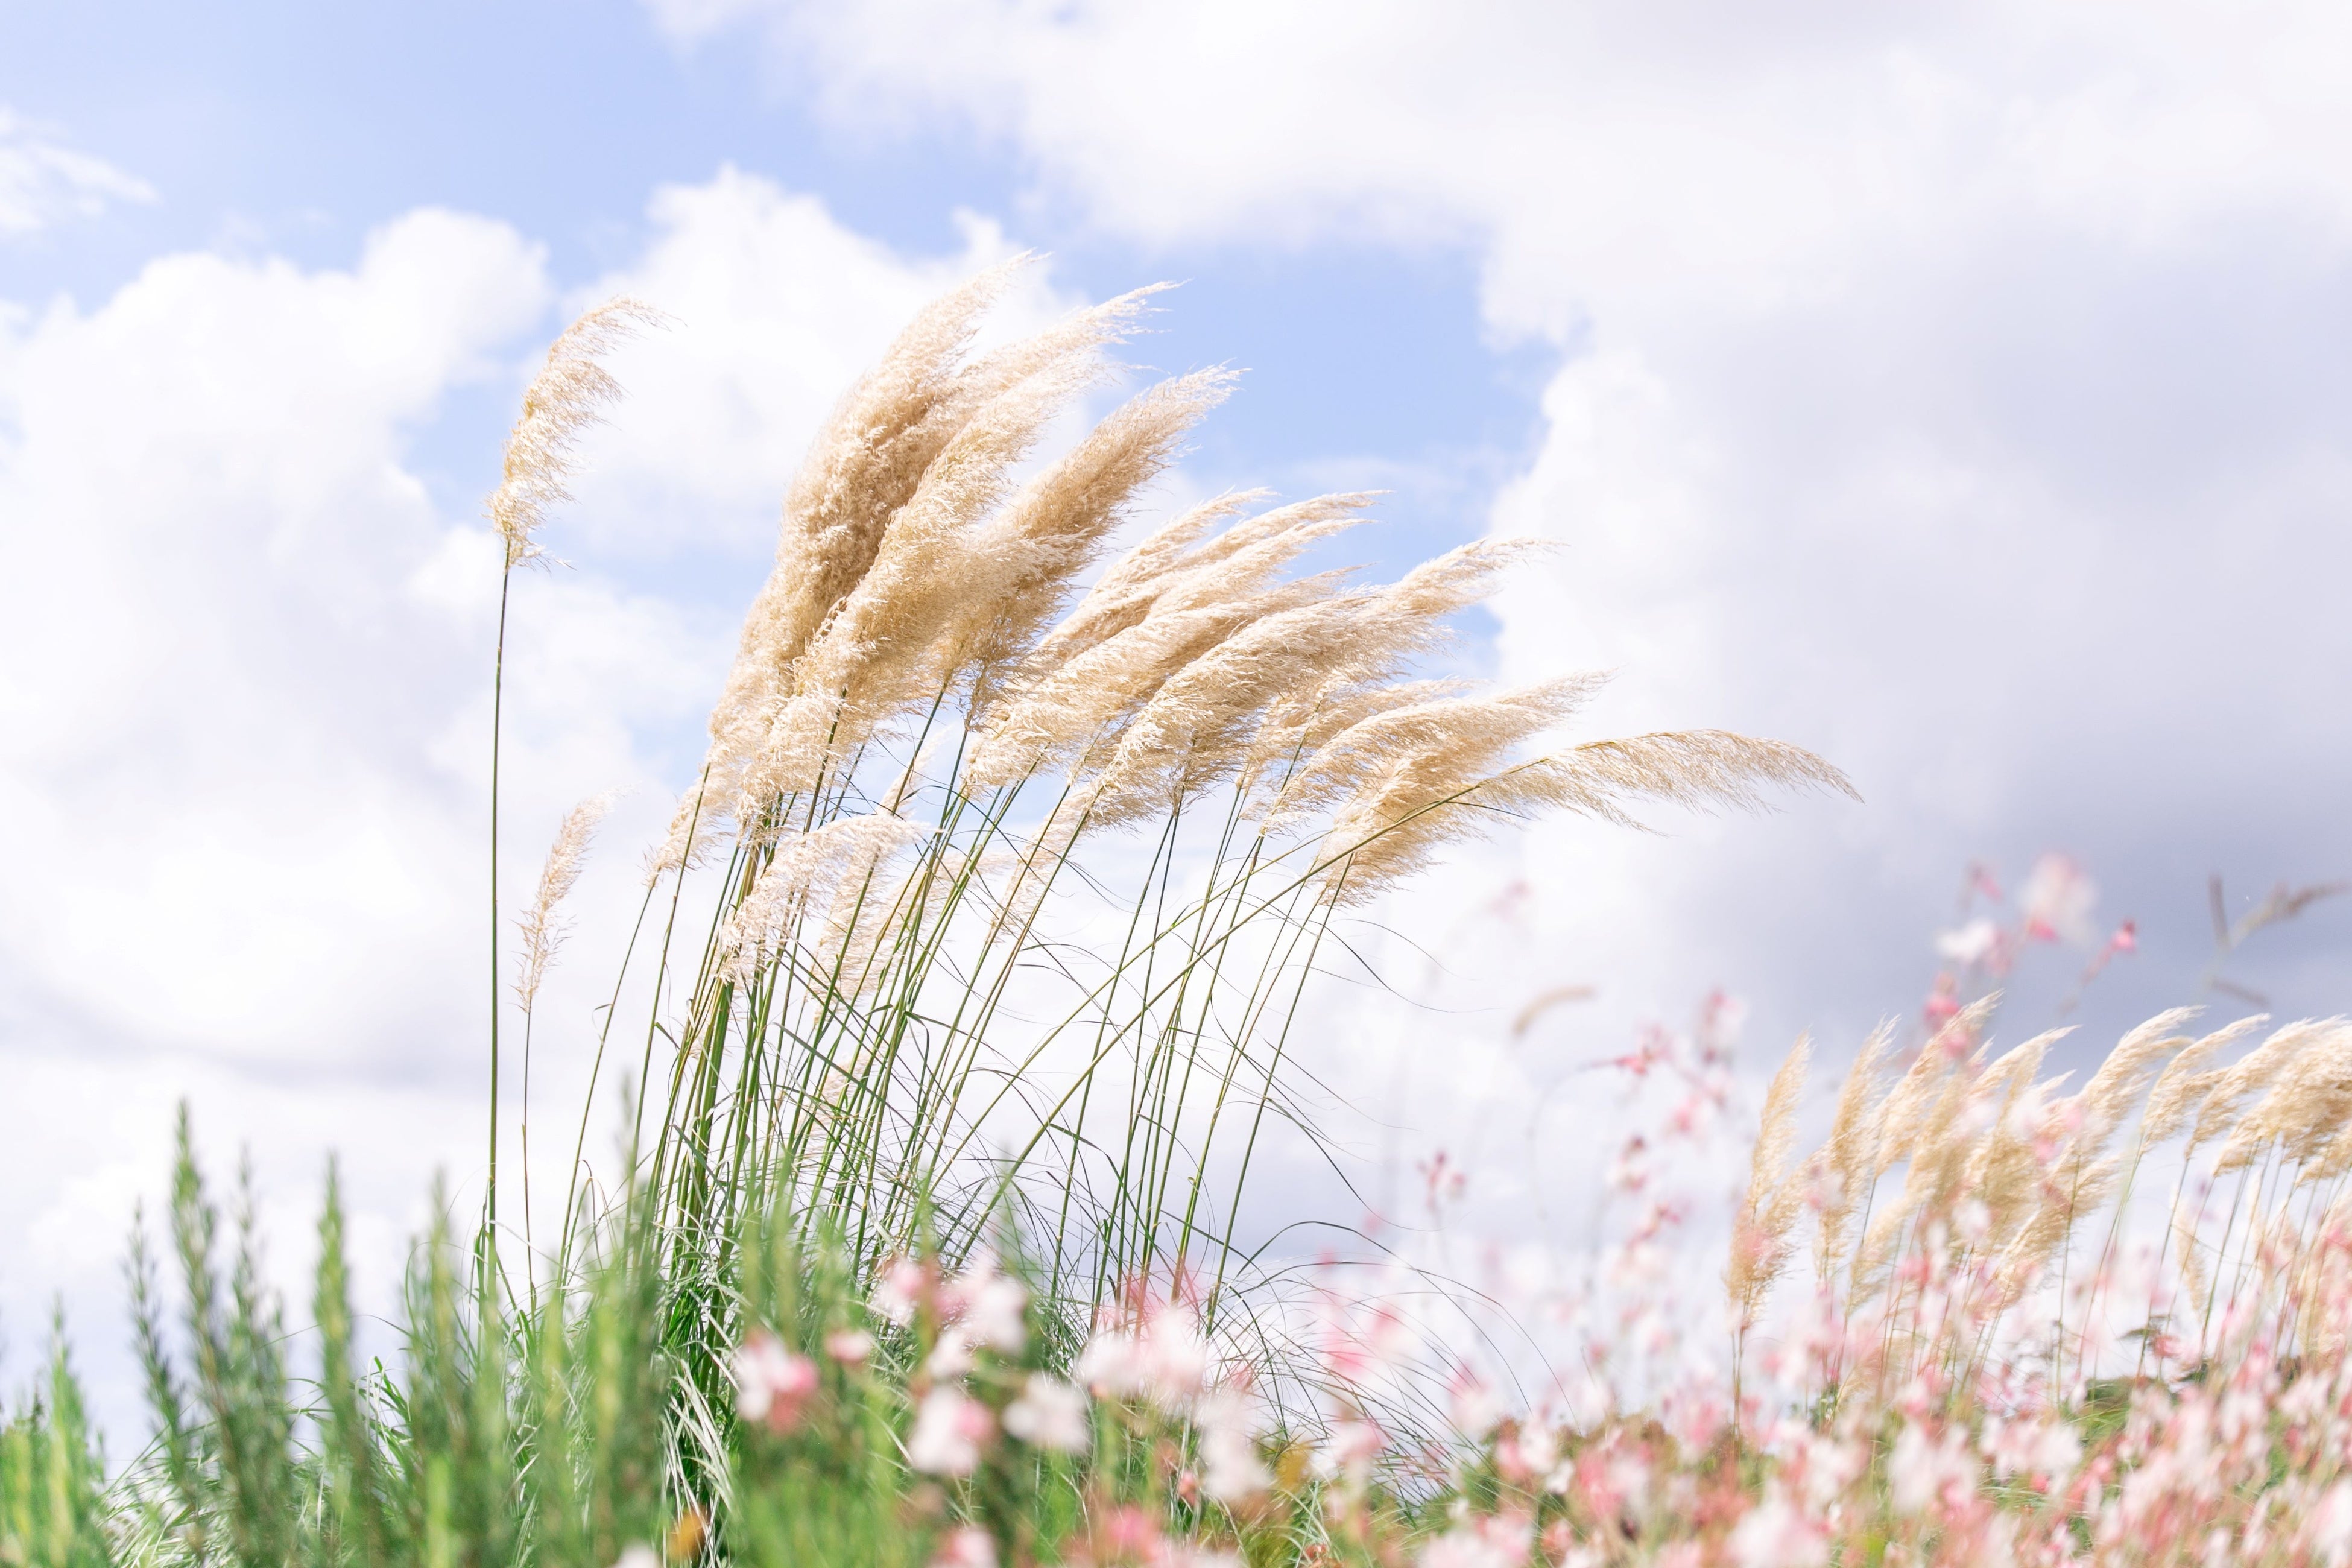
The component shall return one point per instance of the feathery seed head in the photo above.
(541, 926)
(569, 393)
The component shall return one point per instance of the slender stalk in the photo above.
(498, 702)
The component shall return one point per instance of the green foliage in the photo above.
(53, 1509)
(560, 1427)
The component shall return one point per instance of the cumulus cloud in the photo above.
(776, 309)
(1954, 391)
(44, 181)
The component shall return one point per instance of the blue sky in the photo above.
(1962, 395)
(293, 130)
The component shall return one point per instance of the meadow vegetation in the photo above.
(973, 957)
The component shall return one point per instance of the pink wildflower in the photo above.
(771, 1384)
(989, 1307)
(1772, 1534)
(1230, 1468)
(1050, 1413)
(902, 1287)
(1492, 1541)
(950, 1428)
(1475, 1410)
(1927, 1471)
(968, 1546)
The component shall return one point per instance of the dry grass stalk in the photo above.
(2252, 1074)
(1847, 1165)
(1759, 1246)
(2002, 1166)
(569, 395)
(543, 927)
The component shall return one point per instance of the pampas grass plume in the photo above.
(541, 926)
(569, 395)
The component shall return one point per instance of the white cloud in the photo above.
(776, 309)
(1954, 390)
(43, 181)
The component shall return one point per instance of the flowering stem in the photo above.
(497, 698)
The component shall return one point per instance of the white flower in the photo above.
(1488, 1543)
(950, 1428)
(1050, 1413)
(952, 1357)
(1970, 944)
(994, 1311)
(1922, 1470)
(968, 1547)
(2044, 1451)
(1166, 1360)
(1112, 1365)
(1230, 1468)
(1475, 1410)
(1349, 1450)
(1774, 1535)
(2057, 900)
(2328, 1530)
(1176, 1358)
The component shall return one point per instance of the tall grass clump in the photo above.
(953, 1018)
(1011, 850)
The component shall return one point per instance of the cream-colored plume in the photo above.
(1169, 603)
(2185, 1082)
(1848, 1161)
(916, 454)
(1420, 798)
(1760, 1243)
(543, 927)
(569, 393)
(2248, 1076)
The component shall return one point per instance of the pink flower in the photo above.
(771, 1384)
(1349, 1450)
(950, 1428)
(1774, 1535)
(967, 1547)
(989, 1307)
(1926, 1472)
(1127, 1532)
(1230, 1468)
(1050, 1413)
(1475, 1410)
(1166, 1360)
(902, 1286)
(1494, 1541)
